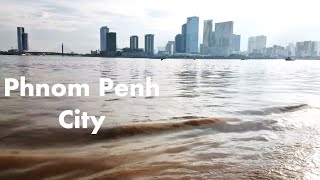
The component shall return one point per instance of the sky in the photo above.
(76, 23)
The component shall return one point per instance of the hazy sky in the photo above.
(76, 23)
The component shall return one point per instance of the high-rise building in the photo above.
(291, 50)
(261, 42)
(25, 42)
(184, 37)
(257, 43)
(251, 44)
(279, 52)
(213, 40)
(170, 47)
(134, 42)
(103, 38)
(236, 40)
(223, 38)
(178, 43)
(307, 48)
(315, 49)
(20, 31)
(300, 49)
(149, 44)
(22, 37)
(111, 42)
(192, 41)
(207, 31)
(207, 37)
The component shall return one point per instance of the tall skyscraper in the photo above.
(192, 41)
(179, 43)
(251, 44)
(291, 50)
(213, 40)
(103, 38)
(23, 42)
(170, 47)
(315, 49)
(207, 37)
(236, 40)
(223, 38)
(20, 31)
(300, 49)
(134, 42)
(307, 48)
(207, 31)
(111, 42)
(149, 44)
(261, 42)
(257, 43)
(184, 37)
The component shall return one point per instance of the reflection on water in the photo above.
(213, 120)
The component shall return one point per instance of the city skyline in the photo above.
(219, 43)
(50, 23)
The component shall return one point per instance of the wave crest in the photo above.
(59, 136)
(275, 110)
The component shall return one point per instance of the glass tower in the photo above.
(192, 41)
(103, 38)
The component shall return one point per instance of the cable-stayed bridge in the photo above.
(61, 49)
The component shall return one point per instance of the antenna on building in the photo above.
(62, 49)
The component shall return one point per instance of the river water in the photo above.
(214, 119)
